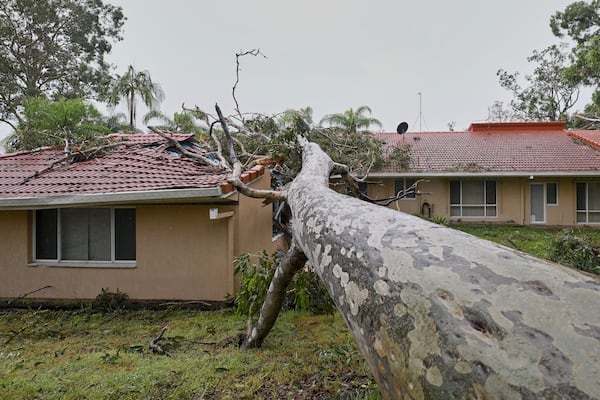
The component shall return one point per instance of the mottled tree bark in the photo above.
(440, 314)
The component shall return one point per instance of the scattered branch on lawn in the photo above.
(237, 168)
(155, 347)
(180, 303)
(27, 294)
(184, 151)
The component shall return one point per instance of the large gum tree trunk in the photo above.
(440, 314)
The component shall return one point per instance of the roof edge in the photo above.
(461, 174)
(554, 126)
(26, 203)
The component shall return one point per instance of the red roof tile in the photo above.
(144, 163)
(520, 150)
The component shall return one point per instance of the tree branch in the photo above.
(237, 169)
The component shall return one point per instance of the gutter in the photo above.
(466, 174)
(206, 195)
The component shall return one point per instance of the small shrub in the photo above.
(110, 301)
(439, 219)
(575, 249)
(304, 293)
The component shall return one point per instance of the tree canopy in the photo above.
(352, 120)
(54, 48)
(562, 70)
(61, 124)
(132, 85)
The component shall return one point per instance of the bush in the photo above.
(575, 249)
(110, 301)
(305, 292)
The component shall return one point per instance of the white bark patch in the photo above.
(356, 297)
(339, 273)
(399, 310)
(382, 272)
(381, 288)
(463, 367)
(326, 259)
(397, 262)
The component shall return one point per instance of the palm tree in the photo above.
(351, 120)
(132, 85)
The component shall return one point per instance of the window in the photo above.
(85, 234)
(588, 202)
(402, 184)
(473, 198)
(551, 194)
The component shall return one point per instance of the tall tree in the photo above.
(133, 85)
(550, 93)
(54, 48)
(351, 120)
(62, 124)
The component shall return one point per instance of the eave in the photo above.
(466, 174)
(196, 195)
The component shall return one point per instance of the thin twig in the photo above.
(26, 294)
(157, 348)
(253, 52)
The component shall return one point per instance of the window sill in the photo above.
(82, 264)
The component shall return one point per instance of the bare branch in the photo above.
(237, 169)
(184, 151)
(253, 52)
(157, 348)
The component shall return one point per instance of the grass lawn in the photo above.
(46, 354)
(83, 354)
(530, 239)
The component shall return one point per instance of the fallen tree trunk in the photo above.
(440, 314)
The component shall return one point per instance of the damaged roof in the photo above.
(137, 164)
(496, 149)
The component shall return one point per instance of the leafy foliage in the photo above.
(133, 85)
(575, 248)
(352, 121)
(54, 48)
(110, 301)
(550, 93)
(56, 123)
(400, 155)
(305, 292)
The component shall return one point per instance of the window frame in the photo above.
(587, 210)
(484, 205)
(59, 261)
(412, 196)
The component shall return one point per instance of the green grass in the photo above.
(85, 355)
(533, 240)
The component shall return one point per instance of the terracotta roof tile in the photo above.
(144, 163)
(516, 151)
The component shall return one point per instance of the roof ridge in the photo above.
(23, 152)
(586, 140)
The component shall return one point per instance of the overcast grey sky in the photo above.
(336, 54)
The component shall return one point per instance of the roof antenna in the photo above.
(420, 117)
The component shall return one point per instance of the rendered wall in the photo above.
(181, 254)
(513, 201)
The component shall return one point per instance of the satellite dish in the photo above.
(402, 128)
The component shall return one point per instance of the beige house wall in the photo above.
(513, 200)
(180, 254)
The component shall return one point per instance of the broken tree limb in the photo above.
(291, 263)
(237, 169)
(21, 297)
(440, 314)
(156, 347)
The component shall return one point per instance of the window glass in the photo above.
(581, 197)
(99, 238)
(74, 234)
(125, 234)
(455, 192)
(490, 192)
(551, 193)
(45, 234)
(594, 196)
(401, 184)
(472, 192)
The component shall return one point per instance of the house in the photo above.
(139, 218)
(511, 173)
